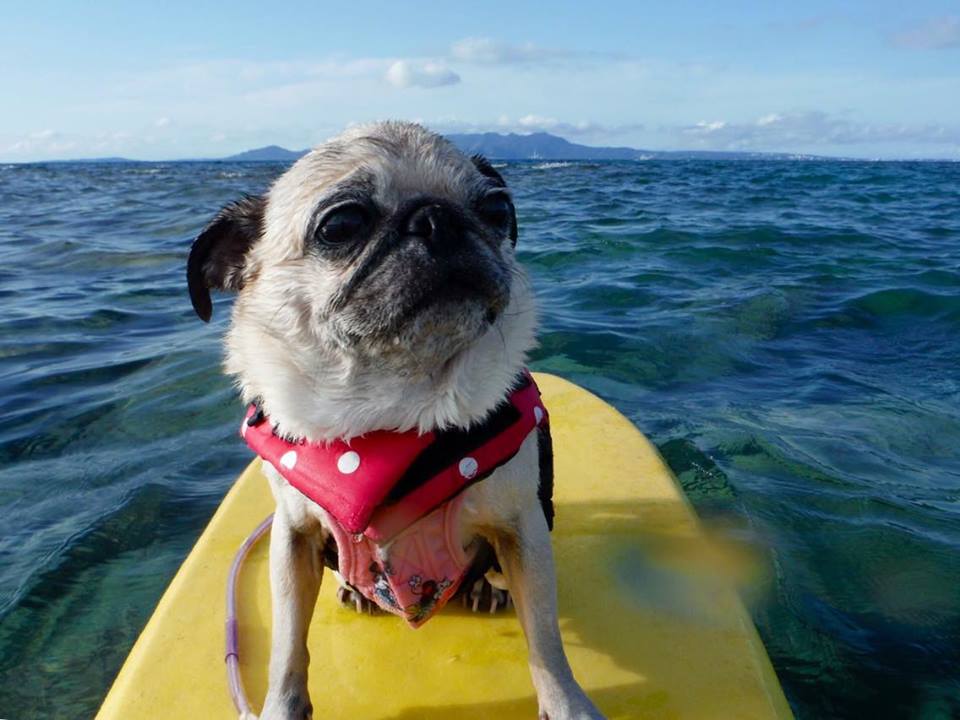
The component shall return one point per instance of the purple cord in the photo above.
(232, 656)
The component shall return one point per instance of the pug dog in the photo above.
(378, 289)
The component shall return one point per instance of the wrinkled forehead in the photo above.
(387, 168)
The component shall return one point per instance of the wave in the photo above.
(552, 165)
(902, 302)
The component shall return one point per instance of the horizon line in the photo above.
(794, 155)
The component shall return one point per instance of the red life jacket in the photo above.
(380, 483)
(393, 499)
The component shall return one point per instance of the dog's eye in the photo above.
(343, 224)
(497, 210)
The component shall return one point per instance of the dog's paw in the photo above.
(287, 706)
(586, 713)
(575, 706)
(350, 598)
(484, 597)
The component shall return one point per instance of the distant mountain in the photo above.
(544, 146)
(270, 153)
(512, 146)
(538, 146)
(541, 145)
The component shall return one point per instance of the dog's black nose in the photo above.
(430, 222)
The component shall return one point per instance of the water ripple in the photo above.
(786, 332)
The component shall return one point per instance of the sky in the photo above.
(168, 80)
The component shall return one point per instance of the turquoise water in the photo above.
(787, 333)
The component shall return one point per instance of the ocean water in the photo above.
(788, 333)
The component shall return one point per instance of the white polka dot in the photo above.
(468, 467)
(537, 413)
(348, 462)
(289, 459)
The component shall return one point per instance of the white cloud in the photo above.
(704, 127)
(425, 74)
(537, 122)
(510, 88)
(492, 52)
(48, 143)
(935, 34)
(788, 131)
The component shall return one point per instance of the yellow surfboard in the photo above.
(651, 631)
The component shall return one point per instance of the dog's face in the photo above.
(383, 261)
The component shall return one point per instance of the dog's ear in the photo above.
(218, 255)
(488, 170)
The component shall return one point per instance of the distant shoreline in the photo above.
(754, 157)
(512, 147)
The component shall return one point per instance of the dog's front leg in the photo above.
(295, 573)
(526, 557)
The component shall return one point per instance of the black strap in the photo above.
(452, 445)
